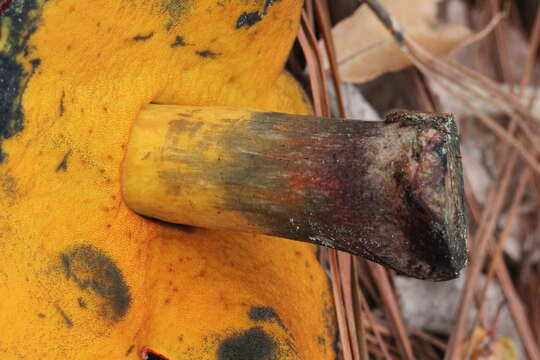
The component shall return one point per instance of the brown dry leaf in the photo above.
(484, 348)
(366, 50)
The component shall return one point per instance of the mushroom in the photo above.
(85, 277)
(389, 191)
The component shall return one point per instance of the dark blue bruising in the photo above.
(248, 19)
(251, 18)
(23, 17)
(95, 272)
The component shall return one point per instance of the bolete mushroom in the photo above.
(83, 277)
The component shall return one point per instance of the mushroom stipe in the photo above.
(389, 191)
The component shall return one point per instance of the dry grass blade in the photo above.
(446, 82)
(345, 288)
(315, 81)
(321, 10)
(345, 265)
(337, 288)
(312, 40)
(360, 330)
(450, 72)
(360, 318)
(370, 320)
(497, 129)
(428, 338)
(454, 73)
(392, 307)
(531, 55)
(308, 43)
(514, 302)
(318, 90)
(502, 46)
(517, 309)
(497, 253)
(487, 224)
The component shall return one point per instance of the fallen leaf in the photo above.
(365, 49)
(485, 348)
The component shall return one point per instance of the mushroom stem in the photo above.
(389, 191)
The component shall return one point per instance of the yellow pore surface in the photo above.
(83, 277)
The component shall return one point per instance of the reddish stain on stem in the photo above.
(4, 4)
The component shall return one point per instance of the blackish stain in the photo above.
(252, 344)
(269, 3)
(208, 54)
(82, 303)
(153, 356)
(143, 37)
(262, 313)
(265, 313)
(23, 18)
(185, 228)
(249, 19)
(129, 350)
(66, 318)
(149, 354)
(178, 41)
(35, 63)
(181, 227)
(63, 165)
(41, 315)
(95, 272)
(61, 107)
(321, 340)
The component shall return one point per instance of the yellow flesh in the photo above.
(190, 292)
